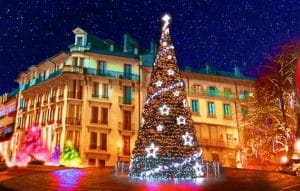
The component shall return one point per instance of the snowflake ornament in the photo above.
(158, 83)
(164, 110)
(176, 93)
(198, 169)
(151, 151)
(159, 127)
(171, 72)
(181, 120)
(187, 139)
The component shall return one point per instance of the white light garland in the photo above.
(151, 151)
(188, 140)
(164, 110)
(185, 103)
(181, 120)
(178, 84)
(142, 122)
(160, 169)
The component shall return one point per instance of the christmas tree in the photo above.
(70, 157)
(55, 156)
(32, 148)
(166, 146)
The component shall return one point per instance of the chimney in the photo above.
(126, 46)
(237, 72)
(153, 46)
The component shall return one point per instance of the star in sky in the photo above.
(221, 33)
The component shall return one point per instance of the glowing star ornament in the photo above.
(164, 43)
(158, 83)
(151, 151)
(176, 93)
(198, 169)
(171, 72)
(187, 139)
(159, 127)
(164, 110)
(181, 120)
(169, 57)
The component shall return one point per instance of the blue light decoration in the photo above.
(68, 179)
(167, 146)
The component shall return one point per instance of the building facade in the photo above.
(8, 109)
(93, 93)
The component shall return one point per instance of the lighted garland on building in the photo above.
(166, 146)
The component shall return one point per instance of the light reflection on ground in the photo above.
(68, 179)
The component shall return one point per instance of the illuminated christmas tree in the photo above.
(166, 146)
(70, 157)
(32, 148)
(55, 156)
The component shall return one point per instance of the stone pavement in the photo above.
(104, 179)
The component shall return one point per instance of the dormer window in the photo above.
(111, 47)
(136, 51)
(79, 41)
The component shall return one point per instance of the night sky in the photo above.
(222, 33)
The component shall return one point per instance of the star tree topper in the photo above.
(187, 139)
(151, 151)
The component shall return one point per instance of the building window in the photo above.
(127, 95)
(79, 41)
(244, 94)
(211, 109)
(104, 90)
(92, 162)
(126, 148)
(58, 139)
(103, 141)
(74, 61)
(70, 136)
(95, 89)
(94, 115)
(77, 140)
(126, 120)
(104, 115)
(245, 111)
(195, 106)
(93, 140)
(127, 71)
(81, 62)
(227, 110)
(212, 91)
(228, 93)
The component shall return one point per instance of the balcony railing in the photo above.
(80, 70)
(126, 100)
(112, 74)
(126, 128)
(211, 93)
(218, 142)
(73, 121)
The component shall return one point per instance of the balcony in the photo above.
(211, 93)
(126, 100)
(78, 47)
(218, 143)
(112, 74)
(93, 146)
(73, 121)
(126, 129)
